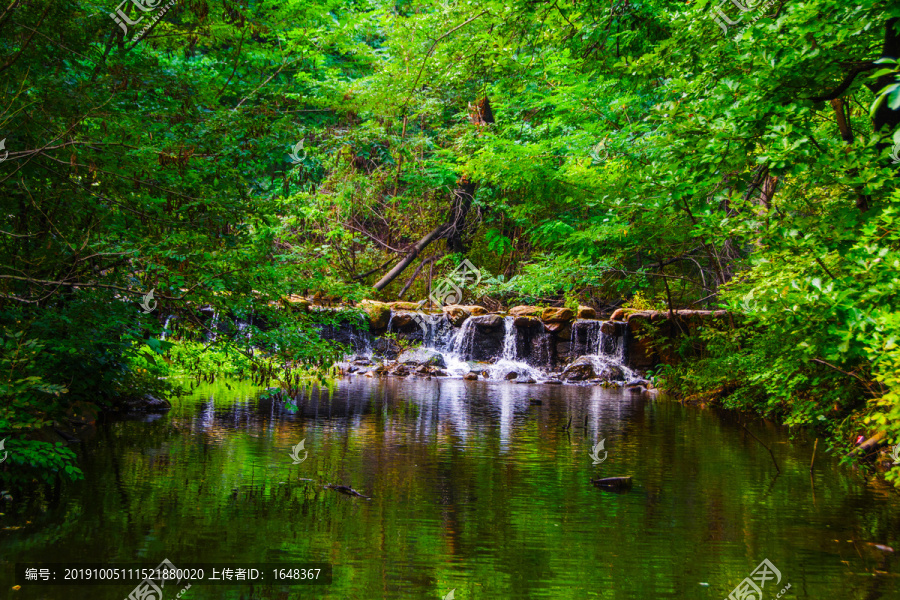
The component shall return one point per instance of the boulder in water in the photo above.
(471, 376)
(611, 373)
(526, 380)
(511, 375)
(586, 312)
(557, 315)
(146, 403)
(423, 356)
(580, 370)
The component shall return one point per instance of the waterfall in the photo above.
(211, 334)
(462, 345)
(604, 350)
(509, 340)
(165, 328)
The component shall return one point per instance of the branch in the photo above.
(428, 55)
(848, 81)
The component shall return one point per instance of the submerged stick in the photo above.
(764, 446)
(813, 461)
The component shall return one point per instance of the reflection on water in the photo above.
(475, 486)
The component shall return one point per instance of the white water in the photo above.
(456, 345)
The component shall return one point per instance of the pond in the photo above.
(479, 489)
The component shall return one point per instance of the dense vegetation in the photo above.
(574, 151)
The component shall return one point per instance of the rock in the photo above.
(488, 322)
(411, 306)
(526, 380)
(526, 311)
(636, 382)
(386, 348)
(611, 373)
(613, 328)
(580, 370)
(528, 323)
(439, 373)
(563, 331)
(553, 382)
(470, 376)
(297, 302)
(423, 356)
(511, 375)
(400, 371)
(641, 353)
(146, 403)
(618, 315)
(557, 315)
(456, 314)
(586, 312)
(369, 373)
(379, 313)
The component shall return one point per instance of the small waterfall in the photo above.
(462, 345)
(509, 340)
(212, 334)
(602, 350)
(166, 327)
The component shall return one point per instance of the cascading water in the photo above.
(213, 329)
(598, 343)
(165, 330)
(605, 352)
(508, 362)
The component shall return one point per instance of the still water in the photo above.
(476, 489)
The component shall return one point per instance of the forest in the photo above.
(161, 162)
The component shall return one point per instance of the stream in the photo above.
(477, 488)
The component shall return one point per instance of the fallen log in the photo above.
(613, 483)
(345, 489)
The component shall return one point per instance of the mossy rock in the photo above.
(379, 313)
(557, 315)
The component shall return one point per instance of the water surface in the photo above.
(475, 488)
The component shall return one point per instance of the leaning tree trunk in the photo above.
(480, 114)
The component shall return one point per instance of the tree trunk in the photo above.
(420, 245)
